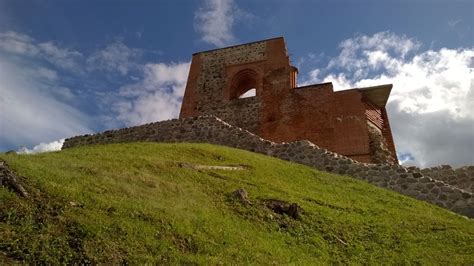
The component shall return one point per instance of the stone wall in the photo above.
(378, 146)
(210, 129)
(462, 177)
(212, 85)
(213, 68)
(242, 113)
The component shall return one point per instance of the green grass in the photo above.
(133, 203)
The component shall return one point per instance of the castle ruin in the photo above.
(350, 128)
(352, 123)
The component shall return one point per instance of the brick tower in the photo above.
(352, 122)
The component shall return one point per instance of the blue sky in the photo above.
(75, 67)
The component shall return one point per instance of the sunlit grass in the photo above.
(134, 203)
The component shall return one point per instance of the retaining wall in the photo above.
(462, 177)
(209, 129)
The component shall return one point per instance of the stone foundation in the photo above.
(209, 129)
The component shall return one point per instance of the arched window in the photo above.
(243, 85)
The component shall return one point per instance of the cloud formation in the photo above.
(157, 96)
(36, 105)
(24, 45)
(29, 110)
(430, 107)
(115, 57)
(215, 20)
(43, 147)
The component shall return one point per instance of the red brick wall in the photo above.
(373, 114)
(190, 98)
(334, 121)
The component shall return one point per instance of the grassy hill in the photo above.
(136, 203)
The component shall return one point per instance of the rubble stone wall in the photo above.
(462, 177)
(215, 77)
(209, 129)
(242, 113)
(379, 147)
(213, 68)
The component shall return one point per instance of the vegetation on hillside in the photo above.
(136, 203)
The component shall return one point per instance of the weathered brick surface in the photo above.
(281, 111)
(412, 182)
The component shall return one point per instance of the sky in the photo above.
(78, 67)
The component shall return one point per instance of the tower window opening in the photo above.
(244, 85)
(248, 94)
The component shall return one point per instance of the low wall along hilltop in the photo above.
(443, 186)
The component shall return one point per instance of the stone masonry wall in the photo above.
(210, 84)
(242, 113)
(213, 73)
(210, 129)
(378, 146)
(462, 178)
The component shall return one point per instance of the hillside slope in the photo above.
(147, 202)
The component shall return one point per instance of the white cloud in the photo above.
(61, 57)
(24, 45)
(453, 23)
(375, 48)
(29, 111)
(115, 57)
(157, 97)
(215, 20)
(35, 104)
(43, 147)
(41, 73)
(430, 107)
(433, 138)
(17, 43)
